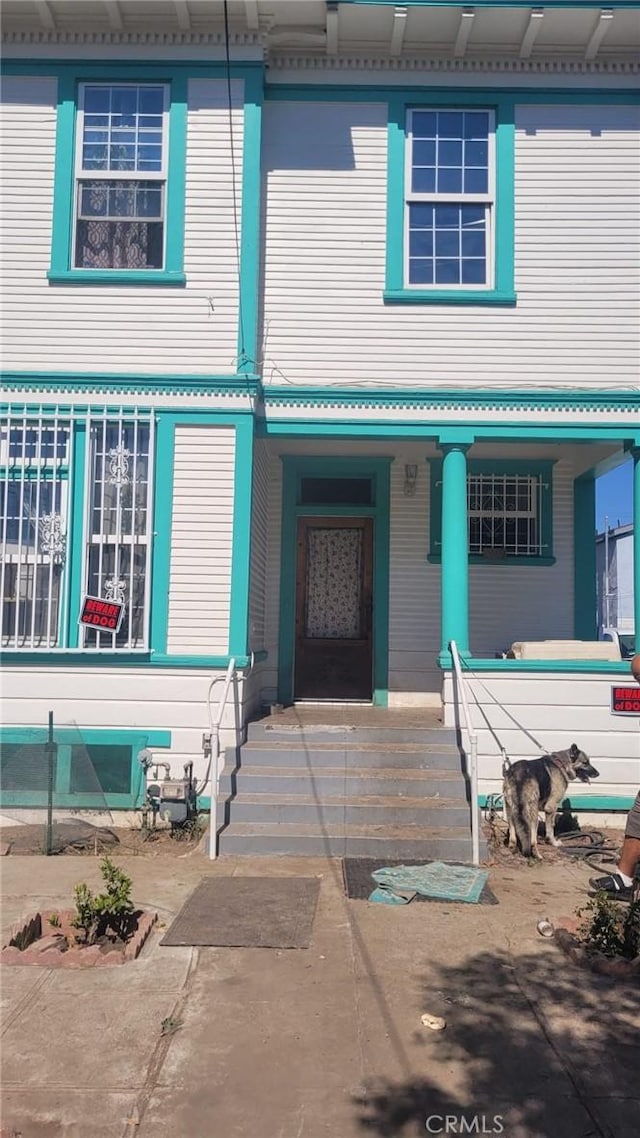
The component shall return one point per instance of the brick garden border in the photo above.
(49, 950)
(596, 961)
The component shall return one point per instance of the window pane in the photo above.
(447, 272)
(449, 153)
(476, 181)
(476, 124)
(421, 271)
(421, 243)
(336, 491)
(123, 128)
(449, 181)
(424, 153)
(424, 124)
(423, 180)
(119, 245)
(474, 272)
(450, 124)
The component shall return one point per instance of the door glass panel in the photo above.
(334, 584)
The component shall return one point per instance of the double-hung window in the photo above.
(450, 202)
(75, 521)
(121, 176)
(450, 182)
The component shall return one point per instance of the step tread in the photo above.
(384, 748)
(393, 801)
(311, 829)
(353, 773)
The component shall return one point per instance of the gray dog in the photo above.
(531, 785)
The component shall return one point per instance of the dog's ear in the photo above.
(574, 751)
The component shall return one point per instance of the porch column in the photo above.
(455, 548)
(636, 454)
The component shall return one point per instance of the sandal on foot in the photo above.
(613, 885)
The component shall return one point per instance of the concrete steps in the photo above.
(345, 791)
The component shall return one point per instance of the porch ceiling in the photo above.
(518, 30)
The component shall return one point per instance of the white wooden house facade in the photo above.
(292, 285)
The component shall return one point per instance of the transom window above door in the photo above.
(120, 176)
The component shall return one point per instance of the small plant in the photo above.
(54, 921)
(607, 930)
(109, 910)
(169, 1025)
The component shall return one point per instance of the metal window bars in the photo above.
(38, 450)
(505, 514)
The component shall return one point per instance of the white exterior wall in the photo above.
(577, 263)
(201, 541)
(557, 710)
(153, 330)
(141, 699)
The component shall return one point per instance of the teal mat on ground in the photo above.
(446, 882)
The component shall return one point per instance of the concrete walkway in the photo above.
(325, 1041)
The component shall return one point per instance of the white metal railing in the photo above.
(215, 723)
(472, 752)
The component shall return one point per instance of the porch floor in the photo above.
(352, 715)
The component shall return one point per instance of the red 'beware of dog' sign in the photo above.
(106, 616)
(625, 700)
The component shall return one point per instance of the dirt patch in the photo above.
(78, 838)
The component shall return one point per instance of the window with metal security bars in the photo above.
(450, 195)
(103, 463)
(505, 514)
(509, 511)
(117, 550)
(121, 175)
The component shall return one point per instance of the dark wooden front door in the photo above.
(334, 602)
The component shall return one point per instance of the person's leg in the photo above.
(619, 884)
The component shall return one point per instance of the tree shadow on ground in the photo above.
(534, 1048)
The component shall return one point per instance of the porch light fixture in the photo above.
(410, 479)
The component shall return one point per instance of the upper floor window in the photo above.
(121, 175)
(450, 201)
(450, 195)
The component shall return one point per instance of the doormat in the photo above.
(247, 912)
(359, 882)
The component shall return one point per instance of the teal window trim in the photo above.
(61, 270)
(66, 738)
(162, 523)
(377, 468)
(503, 290)
(241, 548)
(542, 468)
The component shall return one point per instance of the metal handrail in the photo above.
(473, 753)
(214, 765)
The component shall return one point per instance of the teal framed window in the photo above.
(76, 520)
(120, 179)
(450, 206)
(509, 512)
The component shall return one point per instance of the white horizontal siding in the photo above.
(201, 541)
(122, 329)
(528, 714)
(28, 128)
(577, 214)
(122, 698)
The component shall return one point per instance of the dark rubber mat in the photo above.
(247, 912)
(358, 882)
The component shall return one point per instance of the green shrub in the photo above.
(610, 930)
(95, 915)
